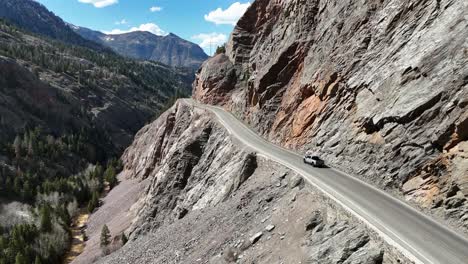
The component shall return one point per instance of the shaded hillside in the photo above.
(66, 113)
(378, 88)
(102, 86)
(170, 50)
(35, 18)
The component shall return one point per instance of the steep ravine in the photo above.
(205, 198)
(378, 88)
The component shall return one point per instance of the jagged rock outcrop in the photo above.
(379, 88)
(191, 162)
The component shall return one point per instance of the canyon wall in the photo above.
(205, 198)
(378, 88)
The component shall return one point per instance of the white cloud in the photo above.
(121, 22)
(99, 3)
(230, 16)
(209, 41)
(155, 8)
(149, 27)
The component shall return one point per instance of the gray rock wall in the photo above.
(379, 88)
(208, 200)
(191, 163)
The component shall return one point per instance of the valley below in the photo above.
(78, 238)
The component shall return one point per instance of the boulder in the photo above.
(314, 220)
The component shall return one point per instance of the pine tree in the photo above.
(94, 202)
(27, 191)
(62, 212)
(110, 176)
(98, 172)
(124, 239)
(105, 236)
(221, 49)
(17, 185)
(25, 141)
(17, 146)
(46, 220)
(21, 259)
(30, 147)
(3, 245)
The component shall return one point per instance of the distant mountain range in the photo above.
(36, 18)
(170, 50)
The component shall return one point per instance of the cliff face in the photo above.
(191, 163)
(379, 88)
(209, 200)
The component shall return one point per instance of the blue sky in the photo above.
(205, 22)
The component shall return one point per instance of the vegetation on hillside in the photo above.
(55, 195)
(35, 17)
(105, 239)
(221, 49)
(57, 162)
(92, 67)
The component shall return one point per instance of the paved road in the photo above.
(416, 235)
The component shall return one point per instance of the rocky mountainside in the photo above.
(378, 88)
(70, 91)
(209, 200)
(59, 87)
(170, 50)
(65, 89)
(35, 18)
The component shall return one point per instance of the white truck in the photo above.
(313, 159)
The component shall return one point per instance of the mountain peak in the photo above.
(172, 35)
(72, 26)
(170, 49)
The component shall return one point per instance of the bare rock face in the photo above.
(191, 164)
(216, 79)
(341, 243)
(209, 200)
(379, 88)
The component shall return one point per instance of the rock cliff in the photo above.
(192, 164)
(378, 88)
(207, 199)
